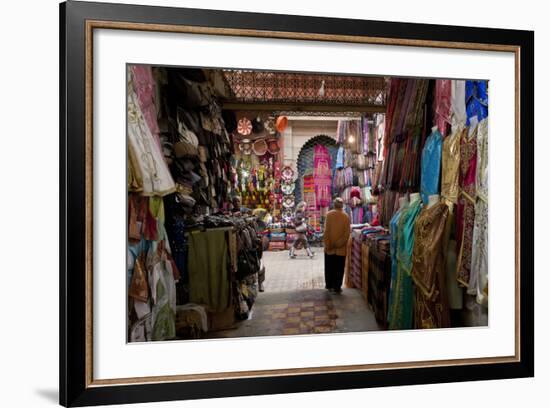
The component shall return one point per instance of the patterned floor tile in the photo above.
(295, 302)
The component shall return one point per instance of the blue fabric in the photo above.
(340, 158)
(431, 166)
(278, 236)
(477, 101)
(393, 253)
(400, 310)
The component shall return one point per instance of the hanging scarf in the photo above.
(322, 176)
(442, 104)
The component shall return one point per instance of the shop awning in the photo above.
(304, 92)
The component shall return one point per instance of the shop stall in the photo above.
(211, 184)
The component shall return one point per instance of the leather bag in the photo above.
(139, 288)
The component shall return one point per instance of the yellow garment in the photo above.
(450, 160)
(337, 232)
(156, 207)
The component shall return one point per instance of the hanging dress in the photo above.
(478, 284)
(450, 162)
(134, 176)
(430, 166)
(431, 306)
(458, 104)
(401, 312)
(393, 254)
(145, 88)
(145, 152)
(322, 176)
(443, 95)
(163, 293)
(476, 99)
(340, 158)
(465, 210)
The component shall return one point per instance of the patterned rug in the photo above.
(310, 311)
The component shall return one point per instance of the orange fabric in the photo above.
(347, 277)
(337, 232)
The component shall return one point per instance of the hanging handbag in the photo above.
(246, 264)
(186, 134)
(139, 289)
(184, 149)
(137, 210)
(189, 94)
(203, 154)
(192, 121)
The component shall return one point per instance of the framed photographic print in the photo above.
(256, 203)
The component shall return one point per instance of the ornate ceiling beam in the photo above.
(308, 107)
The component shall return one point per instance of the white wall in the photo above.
(299, 132)
(29, 185)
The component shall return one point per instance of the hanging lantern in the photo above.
(281, 123)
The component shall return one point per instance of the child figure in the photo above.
(301, 231)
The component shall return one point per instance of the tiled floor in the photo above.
(285, 274)
(295, 302)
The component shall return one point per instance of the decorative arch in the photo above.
(304, 162)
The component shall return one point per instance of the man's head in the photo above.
(236, 202)
(338, 203)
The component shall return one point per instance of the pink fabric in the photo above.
(144, 85)
(322, 176)
(465, 209)
(443, 91)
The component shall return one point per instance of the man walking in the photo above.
(335, 238)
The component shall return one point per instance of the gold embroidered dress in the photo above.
(450, 163)
(148, 172)
(465, 211)
(431, 308)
